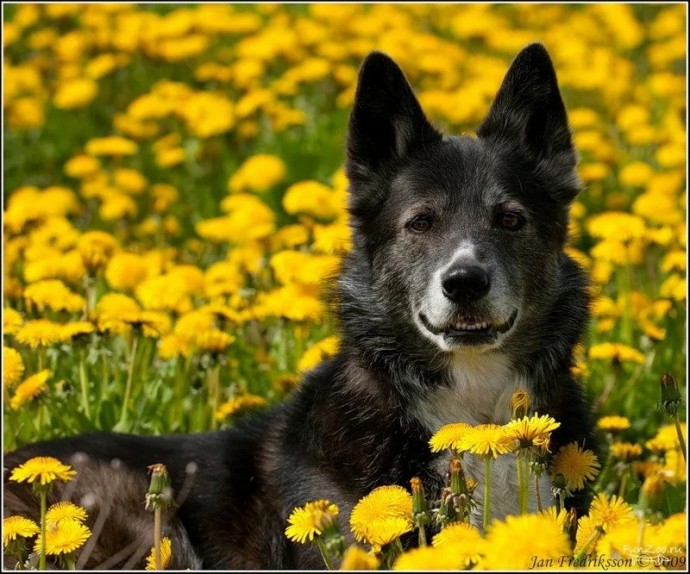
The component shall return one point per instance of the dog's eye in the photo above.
(420, 224)
(512, 221)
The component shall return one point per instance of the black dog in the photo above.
(457, 292)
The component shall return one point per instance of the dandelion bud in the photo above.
(333, 539)
(671, 400)
(457, 477)
(446, 512)
(160, 493)
(652, 491)
(420, 507)
(541, 443)
(570, 523)
(520, 403)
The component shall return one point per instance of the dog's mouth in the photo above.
(470, 329)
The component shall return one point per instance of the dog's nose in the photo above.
(465, 283)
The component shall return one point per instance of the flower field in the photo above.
(174, 203)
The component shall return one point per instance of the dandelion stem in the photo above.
(422, 536)
(537, 492)
(157, 537)
(593, 539)
(130, 376)
(70, 562)
(640, 537)
(521, 481)
(681, 440)
(623, 485)
(84, 383)
(42, 558)
(561, 499)
(324, 554)
(487, 494)
(398, 546)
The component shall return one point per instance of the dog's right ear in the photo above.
(528, 114)
(387, 122)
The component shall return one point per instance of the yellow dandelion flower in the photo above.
(30, 389)
(42, 469)
(430, 558)
(125, 271)
(355, 558)
(644, 469)
(96, 248)
(12, 366)
(289, 236)
(75, 93)
(622, 540)
(117, 206)
(606, 511)
(111, 145)
(511, 544)
(675, 468)
(617, 352)
(318, 352)
(81, 166)
(213, 340)
(65, 537)
(130, 180)
(152, 323)
(613, 423)
(166, 292)
(14, 527)
(311, 198)
(464, 540)
(586, 527)
(39, 333)
(239, 404)
(64, 510)
(666, 438)
(520, 403)
(310, 520)
(531, 430)
(626, 451)
(673, 534)
(616, 225)
(382, 516)
(166, 555)
(53, 294)
(115, 312)
(448, 436)
(382, 531)
(258, 173)
(576, 465)
(11, 321)
(76, 329)
(173, 345)
(557, 517)
(488, 440)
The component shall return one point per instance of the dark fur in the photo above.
(349, 428)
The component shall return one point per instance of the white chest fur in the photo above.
(481, 389)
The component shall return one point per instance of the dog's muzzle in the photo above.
(469, 330)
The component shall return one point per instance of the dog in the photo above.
(457, 291)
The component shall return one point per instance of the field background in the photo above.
(173, 195)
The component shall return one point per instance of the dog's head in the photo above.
(462, 234)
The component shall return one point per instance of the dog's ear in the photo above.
(387, 122)
(528, 116)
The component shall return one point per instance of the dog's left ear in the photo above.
(387, 123)
(528, 116)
